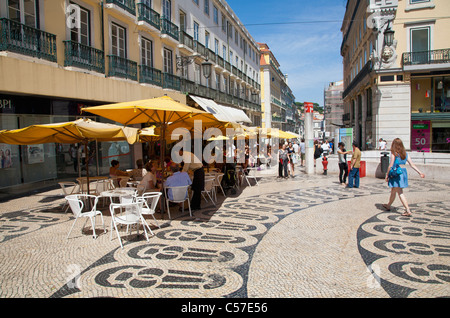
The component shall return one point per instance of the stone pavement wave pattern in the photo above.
(233, 251)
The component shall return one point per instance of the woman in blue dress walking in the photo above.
(399, 157)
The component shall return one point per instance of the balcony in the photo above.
(150, 75)
(170, 29)
(121, 67)
(83, 56)
(146, 14)
(200, 48)
(211, 55)
(127, 5)
(435, 59)
(186, 40)
(171, 81)
(22, 39)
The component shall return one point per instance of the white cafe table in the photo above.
(118, 193)
(83, 183)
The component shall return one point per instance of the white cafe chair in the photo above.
(250, 175)
(131, 216)
(179, 195)
(209, 189)
(218, 184)
(150, 202)
(77, 203)
(69, 188)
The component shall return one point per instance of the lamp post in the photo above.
(184, 61)
(388, 36)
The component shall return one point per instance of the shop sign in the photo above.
(421, 135)
(5, 104)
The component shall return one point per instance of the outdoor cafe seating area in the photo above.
(124, 197)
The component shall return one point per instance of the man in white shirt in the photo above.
(382, 144)
(326, 148)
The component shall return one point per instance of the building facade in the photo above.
(333, 108)
(277, 99)
(59, 56)
(396, 69)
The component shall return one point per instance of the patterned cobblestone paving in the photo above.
(304, 237)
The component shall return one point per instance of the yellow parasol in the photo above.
(160, 111)
(78, 131)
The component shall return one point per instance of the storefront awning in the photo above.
(221, 112)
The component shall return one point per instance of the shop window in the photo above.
(442, 94)
(421, 95)
(441, 139)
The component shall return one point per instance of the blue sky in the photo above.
(304, 36)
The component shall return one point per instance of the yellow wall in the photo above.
(46, 79)
(25, 75)
(405, 17)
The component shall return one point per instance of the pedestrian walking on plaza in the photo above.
(317, 151)
(353, 176)
(302, 152)
(343, 166)
(291, 158)
(283, 162)
(397, 181)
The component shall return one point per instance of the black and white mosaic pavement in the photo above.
(209, 255)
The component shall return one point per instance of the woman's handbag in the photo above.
(395, 172)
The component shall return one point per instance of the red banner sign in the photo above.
(309, 107)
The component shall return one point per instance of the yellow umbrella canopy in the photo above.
(78, 131)
(81, 130)
(160, 110)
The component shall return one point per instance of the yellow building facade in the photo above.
(277, 100)
(57, 56)
(396, 56)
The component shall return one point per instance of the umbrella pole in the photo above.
(87, 165)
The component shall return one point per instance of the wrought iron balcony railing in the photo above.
(149, 15)
(171, 81)
(150, 75)
(121, 67)
(200, 48)
(20, 38)
(127, 5)
(186, 39)
(83, 56)
(427, 57)
(169, 28)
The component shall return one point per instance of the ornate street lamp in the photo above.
(389, 36)
(207, 69)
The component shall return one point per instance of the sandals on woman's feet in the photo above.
(386, 207)
(406, 213)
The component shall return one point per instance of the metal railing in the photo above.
(427, 57)
(200, 48)
(171, 81)
(83, 56)
(149, 15)
(186, 39)
(20, 38)
(122, 67)
(150, 75)
(169, 28)
(127, 5)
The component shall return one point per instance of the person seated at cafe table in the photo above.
(140, 172)
(149, 180)
(177, 179)
(115, 172)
